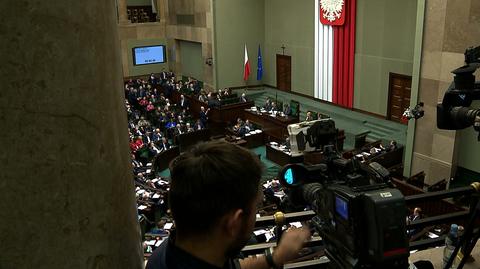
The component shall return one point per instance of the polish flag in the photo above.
(246, 67)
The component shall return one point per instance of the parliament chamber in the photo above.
(249, 125)
(101, 101)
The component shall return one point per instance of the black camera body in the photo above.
(361, 219)
(454, 112)
(364, 228)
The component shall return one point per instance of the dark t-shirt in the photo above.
(168, 256)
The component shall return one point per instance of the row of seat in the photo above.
(138, 15)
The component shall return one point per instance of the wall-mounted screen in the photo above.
(149, 55)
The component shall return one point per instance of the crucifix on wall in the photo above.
(283, 49)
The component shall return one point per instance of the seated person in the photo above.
(309, 116)
(417, 214)
(180, 119)
(147, 138)
(286, 110)
(198, 125)
(157, 136)
(243, 98)
(133, 146)
(153, 149)
(237, 127)
(171, 124)
(139, 142)
(268, 104)
(273, 107)
(202, 97)
(248, 126)
(226, 92)
(164, 145)
(179, 130)
(136, 164)
(287, 142)
(159, 229)
(213, 101)
(143, 122)
(183, 103)
(189, 128)
(392, 146)
(150, 107)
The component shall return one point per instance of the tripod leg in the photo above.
(467, 250)
(470, 238)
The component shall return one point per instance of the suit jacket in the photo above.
(179, 131)
(164, 146)
(156, 137)
(203, 117)
(183, 104)
(147, 139)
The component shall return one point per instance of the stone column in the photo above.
(162, 11)
(436, 151)
(122, 12)
(66, 189)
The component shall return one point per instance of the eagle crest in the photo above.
(332, 9)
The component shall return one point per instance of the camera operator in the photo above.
(214, 191)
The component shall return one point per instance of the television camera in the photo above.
(413, 113)
(454, 113)
(359, 215)
(307, 136)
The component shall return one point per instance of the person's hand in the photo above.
(290, 244)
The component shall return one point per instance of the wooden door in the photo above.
(284, 72)
(398, 96)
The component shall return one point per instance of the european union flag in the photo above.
(259, 65)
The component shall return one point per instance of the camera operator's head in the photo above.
(213, 195)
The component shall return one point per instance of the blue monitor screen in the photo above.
(289, 176)
(341, 207)
(149, 55)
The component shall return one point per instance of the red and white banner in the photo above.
(335, 51)
(246, 66)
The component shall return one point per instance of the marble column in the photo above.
(122, 12)
(436, 151)
(66, 189)
(162, 11)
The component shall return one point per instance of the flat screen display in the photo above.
(289, 176)
(341, 207)
(149, 55)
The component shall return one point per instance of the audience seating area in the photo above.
(140, 14)
(166, 117)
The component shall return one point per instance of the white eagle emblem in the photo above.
(332, 9)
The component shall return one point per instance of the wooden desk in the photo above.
(187, 140)
(163, 159)
(253, 140)
(281, 158)
(228, 114)
(275, 128)
(390, 158)
(234, 140)
(218, 117)
(366, 148)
